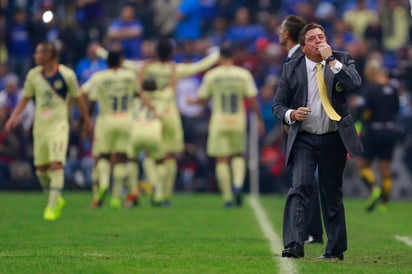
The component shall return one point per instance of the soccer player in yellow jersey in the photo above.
(146, 136)
(113, 89)
(166, 73)
(227, 86)
(52, 85)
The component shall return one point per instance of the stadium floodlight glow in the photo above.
(47, 16)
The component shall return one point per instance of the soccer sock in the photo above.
(368, 177)
(119, 178)
(238, 172)
(56, 186)
(95, 184)
(159, 185)
(133, 170)
(223, 178)
(103, 169)
(387, 184)
(149, 166)
(44, 180)
(170, 177)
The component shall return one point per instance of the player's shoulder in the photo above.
(216, 71)
(66, 71)
(231, 70)
(64, 68)
(34, 71)
(127, 71)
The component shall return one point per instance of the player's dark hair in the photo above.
(114, 58)
(165, 48)
(149, 84)
(294, 24)
(50, 48)
(226, 51)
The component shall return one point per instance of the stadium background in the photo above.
(78, 23)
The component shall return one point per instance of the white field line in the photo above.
(405, 239)
(286, 265)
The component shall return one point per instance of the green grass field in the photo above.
(195, 235)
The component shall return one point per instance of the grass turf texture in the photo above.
(195, 235)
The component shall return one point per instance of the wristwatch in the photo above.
(330, 58)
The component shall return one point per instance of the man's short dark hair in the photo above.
(165, 48)
(226, 51)
(149, 84)
(50, 48)
(114, 58)
(307, 28)
(294, 24)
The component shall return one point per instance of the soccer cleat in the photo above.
(156, 199)
(96, 204)
(155, 202)
(373, 199)
(383, 208)
(228, 204)
(99, 202)
(50, 214)
(60, 206)
(166, 203)
(115, 203)
(131, 200)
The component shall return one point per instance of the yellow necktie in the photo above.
(323, 93)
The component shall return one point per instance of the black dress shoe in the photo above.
(293, 250)
(328, 256)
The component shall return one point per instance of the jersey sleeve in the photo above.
(184, 70)
(72, 84)
(90, 88)
(28, 90)
(204, 89)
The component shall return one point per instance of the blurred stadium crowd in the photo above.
(367, 29)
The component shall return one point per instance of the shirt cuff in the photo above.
(288, 118)
(337, 67)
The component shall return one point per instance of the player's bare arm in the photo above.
(13, 120)
(80, 102)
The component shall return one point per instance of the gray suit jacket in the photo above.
(298, 53)
(292, 92)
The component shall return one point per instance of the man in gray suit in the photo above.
(288, 38)
(320, 135)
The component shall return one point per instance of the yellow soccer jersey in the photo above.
(227, 86)
(113, 89)
(51, 94)
(142, 114)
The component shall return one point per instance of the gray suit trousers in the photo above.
(329, 154)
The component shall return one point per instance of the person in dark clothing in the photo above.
(288, 36)
(378, 113)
